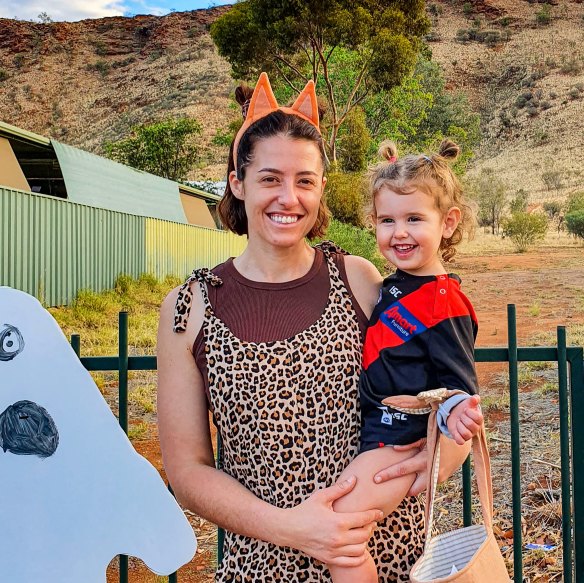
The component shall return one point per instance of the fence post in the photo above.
(515, 448)
(565, 455)
(123, 402)
(577, 402)
(76, 344)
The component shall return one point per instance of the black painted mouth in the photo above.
(27, 429)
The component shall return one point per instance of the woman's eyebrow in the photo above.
(276, 171)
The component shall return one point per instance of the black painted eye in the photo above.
(11, 342)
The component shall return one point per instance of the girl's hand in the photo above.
(417, 464)
(334, 538)
(465, 420)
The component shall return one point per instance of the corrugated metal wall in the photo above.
(174, 249)
(51, 248)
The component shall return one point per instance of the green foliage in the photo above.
(3, 75)
(420, 113)
(575, 223)
(575, 202)
(525, 229)
(344, 197)
(357, 241)
(296, 41)
(544, 15)
(490, 194)
(518, 203)
(102, 67)
(553, 209)
(354, 141)
(168, 148)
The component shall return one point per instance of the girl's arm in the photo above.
(183, 420)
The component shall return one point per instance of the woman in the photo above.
(271, 342)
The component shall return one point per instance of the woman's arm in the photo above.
(183, 421)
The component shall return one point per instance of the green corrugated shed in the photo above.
(103, 183)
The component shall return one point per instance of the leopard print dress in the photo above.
(288, 415)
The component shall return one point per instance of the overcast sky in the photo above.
(80, 9)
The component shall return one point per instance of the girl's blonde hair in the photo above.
(430, 174)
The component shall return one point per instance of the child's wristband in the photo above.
(444, 412)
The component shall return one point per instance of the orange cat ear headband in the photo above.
(263, 102)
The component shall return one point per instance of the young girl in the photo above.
(421, 333)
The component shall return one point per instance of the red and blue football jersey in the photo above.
(421, 336)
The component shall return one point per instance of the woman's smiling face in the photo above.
(281, 190)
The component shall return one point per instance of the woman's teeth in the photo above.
(284, 219)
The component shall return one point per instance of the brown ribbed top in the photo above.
(263, 312)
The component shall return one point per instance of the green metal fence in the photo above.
(570, 362)
(51, 248)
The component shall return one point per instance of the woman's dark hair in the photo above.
(231, 210)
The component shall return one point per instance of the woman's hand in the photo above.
(417, 464)
(451, 457)
(334, 538)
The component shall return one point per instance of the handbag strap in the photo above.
(482, 464)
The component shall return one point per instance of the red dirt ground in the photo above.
(547, 287)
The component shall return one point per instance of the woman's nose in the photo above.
(288, 196)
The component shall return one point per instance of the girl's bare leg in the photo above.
(369, 495)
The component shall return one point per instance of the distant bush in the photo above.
(544, 16)
(525, 229)
(571, 67)
(344, 197)
(102, 67)
(357, 241)
(354, 141)
(575, 202)
(552, 179)
(489, 37)
(518, 203)
(575, 223)
(3, 75)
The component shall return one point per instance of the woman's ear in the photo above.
(451, 220)
(236, 185)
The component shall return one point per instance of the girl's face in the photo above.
(410, 228)
(281, 191)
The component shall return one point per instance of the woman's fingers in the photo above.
(413, 465)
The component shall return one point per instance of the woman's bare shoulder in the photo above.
(364, 280)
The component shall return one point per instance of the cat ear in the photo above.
(307, 105)
(263, 100)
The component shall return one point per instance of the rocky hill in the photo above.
(521, 62)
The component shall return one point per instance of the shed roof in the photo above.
(103, 183)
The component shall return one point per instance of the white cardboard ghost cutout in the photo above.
(73, 492)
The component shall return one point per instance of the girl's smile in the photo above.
(410, 228)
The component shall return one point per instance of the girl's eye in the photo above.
(386, 221)
(414, 219)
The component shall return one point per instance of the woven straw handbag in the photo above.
(466, 555)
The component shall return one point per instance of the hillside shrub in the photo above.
(344, 197)
(3, 75)
(518, 203)
(544, 16)
(575, 223)
(525, 229)
(575, 202)
(552, 179)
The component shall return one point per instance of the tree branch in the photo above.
(291, 66)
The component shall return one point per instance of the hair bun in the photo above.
(243, 93)
(388, 151)
(449, 150)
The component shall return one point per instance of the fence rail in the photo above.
(570, 361)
